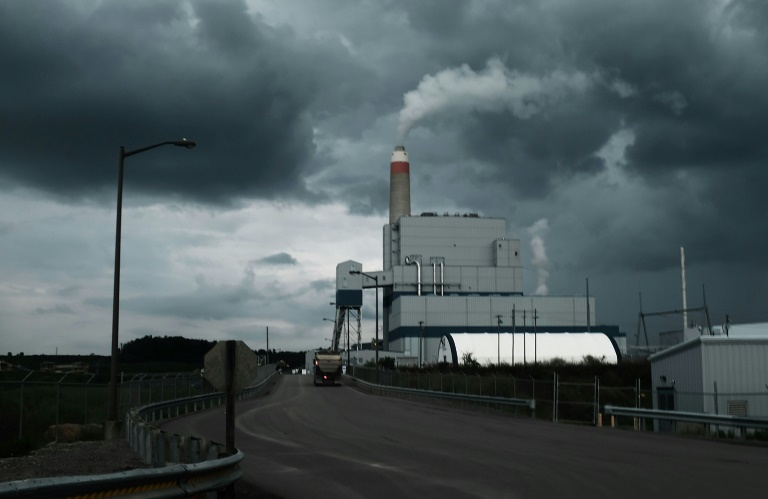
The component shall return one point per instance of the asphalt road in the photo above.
(302, 441)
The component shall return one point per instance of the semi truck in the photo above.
(327, 367)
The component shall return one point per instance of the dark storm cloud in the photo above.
(277, 259)
(81, 79)
(687, 79)
(56, 309)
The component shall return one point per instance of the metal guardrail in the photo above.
(180, 480)
(431, 394)
(205, 471)
(689, 417)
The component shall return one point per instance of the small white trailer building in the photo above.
(712, 375)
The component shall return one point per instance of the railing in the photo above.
(200, 469)
(455, 397)
(172, 481)
(742, 423)
(555, 399)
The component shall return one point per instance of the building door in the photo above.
(666, 402)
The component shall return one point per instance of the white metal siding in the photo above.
(740, 369)
(682, 371)
(738, 366)
(482, 311)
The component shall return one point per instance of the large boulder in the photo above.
(70, 432)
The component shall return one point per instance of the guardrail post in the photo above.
(141, 444)
(193, 450)
(159, 445)
(135, 438)
(175, 454)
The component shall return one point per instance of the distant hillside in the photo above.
(165, 349)
(148, 354)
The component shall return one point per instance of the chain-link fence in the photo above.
(31, 402)
(557, 399)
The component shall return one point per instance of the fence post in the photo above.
(717, 428)
(514, 387)
(58, 391)
(554, 397)
(86, 399)
(597, 401)
(21, 405)
(638, 403)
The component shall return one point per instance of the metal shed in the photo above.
(712, 375)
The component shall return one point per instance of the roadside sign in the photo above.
(246, 364)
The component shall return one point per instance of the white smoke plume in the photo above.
(491, 89)
(537, 231)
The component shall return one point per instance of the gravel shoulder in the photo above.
(89, 458)
(71, 459)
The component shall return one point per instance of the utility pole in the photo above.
(535, 336)
(498, 340)
(513, 335)
(588, 314)
(421, 334)
(525, 333)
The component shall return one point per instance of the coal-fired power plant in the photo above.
(455, 281)
(399, 185)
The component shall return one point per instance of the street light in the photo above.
(376, 280)
(116, 294)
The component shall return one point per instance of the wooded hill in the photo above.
(148, 354)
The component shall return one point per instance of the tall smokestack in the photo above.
(399, 185)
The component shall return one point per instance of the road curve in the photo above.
(324, 442)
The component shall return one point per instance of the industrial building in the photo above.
(444, 276)
(715, 373)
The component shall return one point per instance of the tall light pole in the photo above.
(376, 280)
(116, 293)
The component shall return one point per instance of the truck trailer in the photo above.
(327, 367)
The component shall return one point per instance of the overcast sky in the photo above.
(608, 134)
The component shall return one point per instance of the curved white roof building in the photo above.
(493, 348)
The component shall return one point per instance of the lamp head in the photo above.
(354, 272)
(189, 144)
